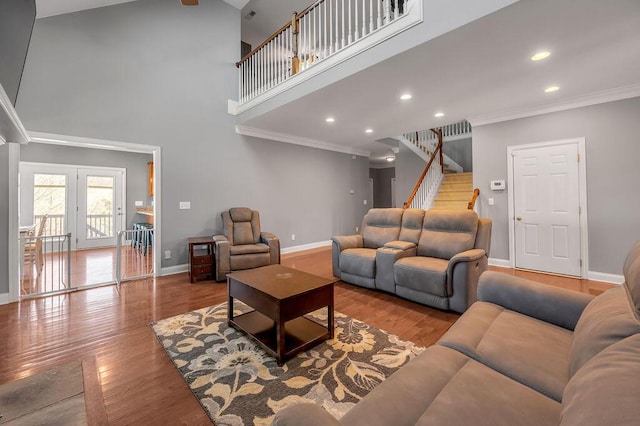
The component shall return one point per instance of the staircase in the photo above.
(455, 192)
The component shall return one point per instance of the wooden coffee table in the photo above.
(280, 297)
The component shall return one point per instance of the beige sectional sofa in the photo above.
(432, 257)
(525, 354)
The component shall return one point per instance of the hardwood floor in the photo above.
(134, 382)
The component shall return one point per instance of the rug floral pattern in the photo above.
(239, 384)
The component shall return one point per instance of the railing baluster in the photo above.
(356, 35)
(343, 26)
(371, 16)
(349, 36)
(379, 22)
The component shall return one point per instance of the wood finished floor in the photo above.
(133, 381)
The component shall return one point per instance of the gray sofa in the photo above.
(432, 257)
(525, 354)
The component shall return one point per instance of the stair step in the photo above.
(450, 205)
(459, 177)
(454, 195)
(447, 186)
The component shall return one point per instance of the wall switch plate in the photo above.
(364, 202)
(139, 203)
(185, 205)
(491, 201)
(293, 237)
(167, 254)
(351, 191)
(357, 229)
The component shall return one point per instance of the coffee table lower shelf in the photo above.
(300, 333)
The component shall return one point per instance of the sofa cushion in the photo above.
(446, 233)
(241, 214)
(605, 390)
(249, 261)
(631, 271)
(248, 249)
(607, 319)
(411, 225)
(532, 352)
(427, 274)
(443, 386)
(359, 261)
(381, 226)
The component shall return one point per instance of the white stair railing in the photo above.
(423, 144)
(321, 30)
(428, 190)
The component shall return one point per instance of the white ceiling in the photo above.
(46, 8)
(270, 16)
(477, 71)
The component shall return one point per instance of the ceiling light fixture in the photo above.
(438, 114)
(330, 120)
(540, 55)
(405, 97)
(390, 158)
(551, 89)
(369, 131)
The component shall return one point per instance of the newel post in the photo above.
(295, 29)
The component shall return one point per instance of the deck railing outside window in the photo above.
(323, 29)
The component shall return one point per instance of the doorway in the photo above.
(547, 207)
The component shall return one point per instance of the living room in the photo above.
(157, 75)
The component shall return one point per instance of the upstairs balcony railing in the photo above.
(313, 35)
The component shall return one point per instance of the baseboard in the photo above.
(500, 263)
(4, 298)
(172, 270)
(605, 277)
(309, 246)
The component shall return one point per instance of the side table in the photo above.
(201, 258)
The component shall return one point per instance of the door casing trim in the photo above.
(582, 183)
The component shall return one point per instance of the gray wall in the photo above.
(460, 151)
(16, 22)
(155, 72)
(611, 133)
(409, 167)
(4, 219)
(136, 165)
(382, 186)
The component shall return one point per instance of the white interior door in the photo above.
(100, 207)
(546, 187)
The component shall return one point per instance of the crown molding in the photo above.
(238, 4)
(11, 128)
(616, 94)
(299, 140)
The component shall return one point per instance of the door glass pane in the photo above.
(100, 202)
(50, 198)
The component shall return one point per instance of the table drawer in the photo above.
(202, 260)
(201, 269)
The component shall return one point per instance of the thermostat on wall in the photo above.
(497, 185)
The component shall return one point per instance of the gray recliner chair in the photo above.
(243, 245)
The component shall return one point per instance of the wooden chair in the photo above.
(33, 246)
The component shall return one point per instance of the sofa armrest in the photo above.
(274, 246)
(554, 305)
(306, 414)
(400, 245)
(386, 257)
(341, 243)
(223, 260)
(463, 273)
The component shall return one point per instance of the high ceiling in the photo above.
(480, 72)
(46, 8)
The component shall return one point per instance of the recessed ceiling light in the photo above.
(540, 55)
(438, 114)
(551, 89)
(390, 158)
(369, 131)
(330, 120)
(406, 96)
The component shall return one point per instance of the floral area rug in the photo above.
(237, 383)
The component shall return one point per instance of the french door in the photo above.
(88, 202)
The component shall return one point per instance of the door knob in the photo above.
(518, 218)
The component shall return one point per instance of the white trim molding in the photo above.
(14, 257)
(4, 298)
(500, 263)
(298, 140)
(11, 128)
(172, 270)
(605, 277)
(582, 179)
(616, 94)
(303, 247)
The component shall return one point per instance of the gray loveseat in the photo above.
(525, 354)
(432, 257)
